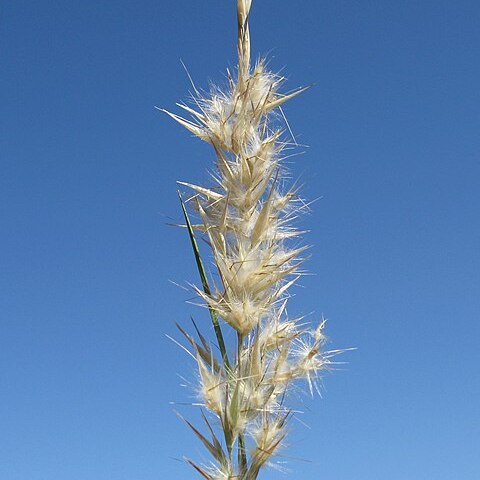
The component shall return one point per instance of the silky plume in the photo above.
(246, 215)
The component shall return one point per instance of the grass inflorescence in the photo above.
(246, 217)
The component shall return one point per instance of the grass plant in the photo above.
(246, 217)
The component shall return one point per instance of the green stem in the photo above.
(242, 454)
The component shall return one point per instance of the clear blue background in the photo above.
(87, 186)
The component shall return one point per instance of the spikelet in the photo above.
(246, 217)
(267, 437)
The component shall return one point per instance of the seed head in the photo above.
(246, 217)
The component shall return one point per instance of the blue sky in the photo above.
(87, 186)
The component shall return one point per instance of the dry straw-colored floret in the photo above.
(246, 217)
